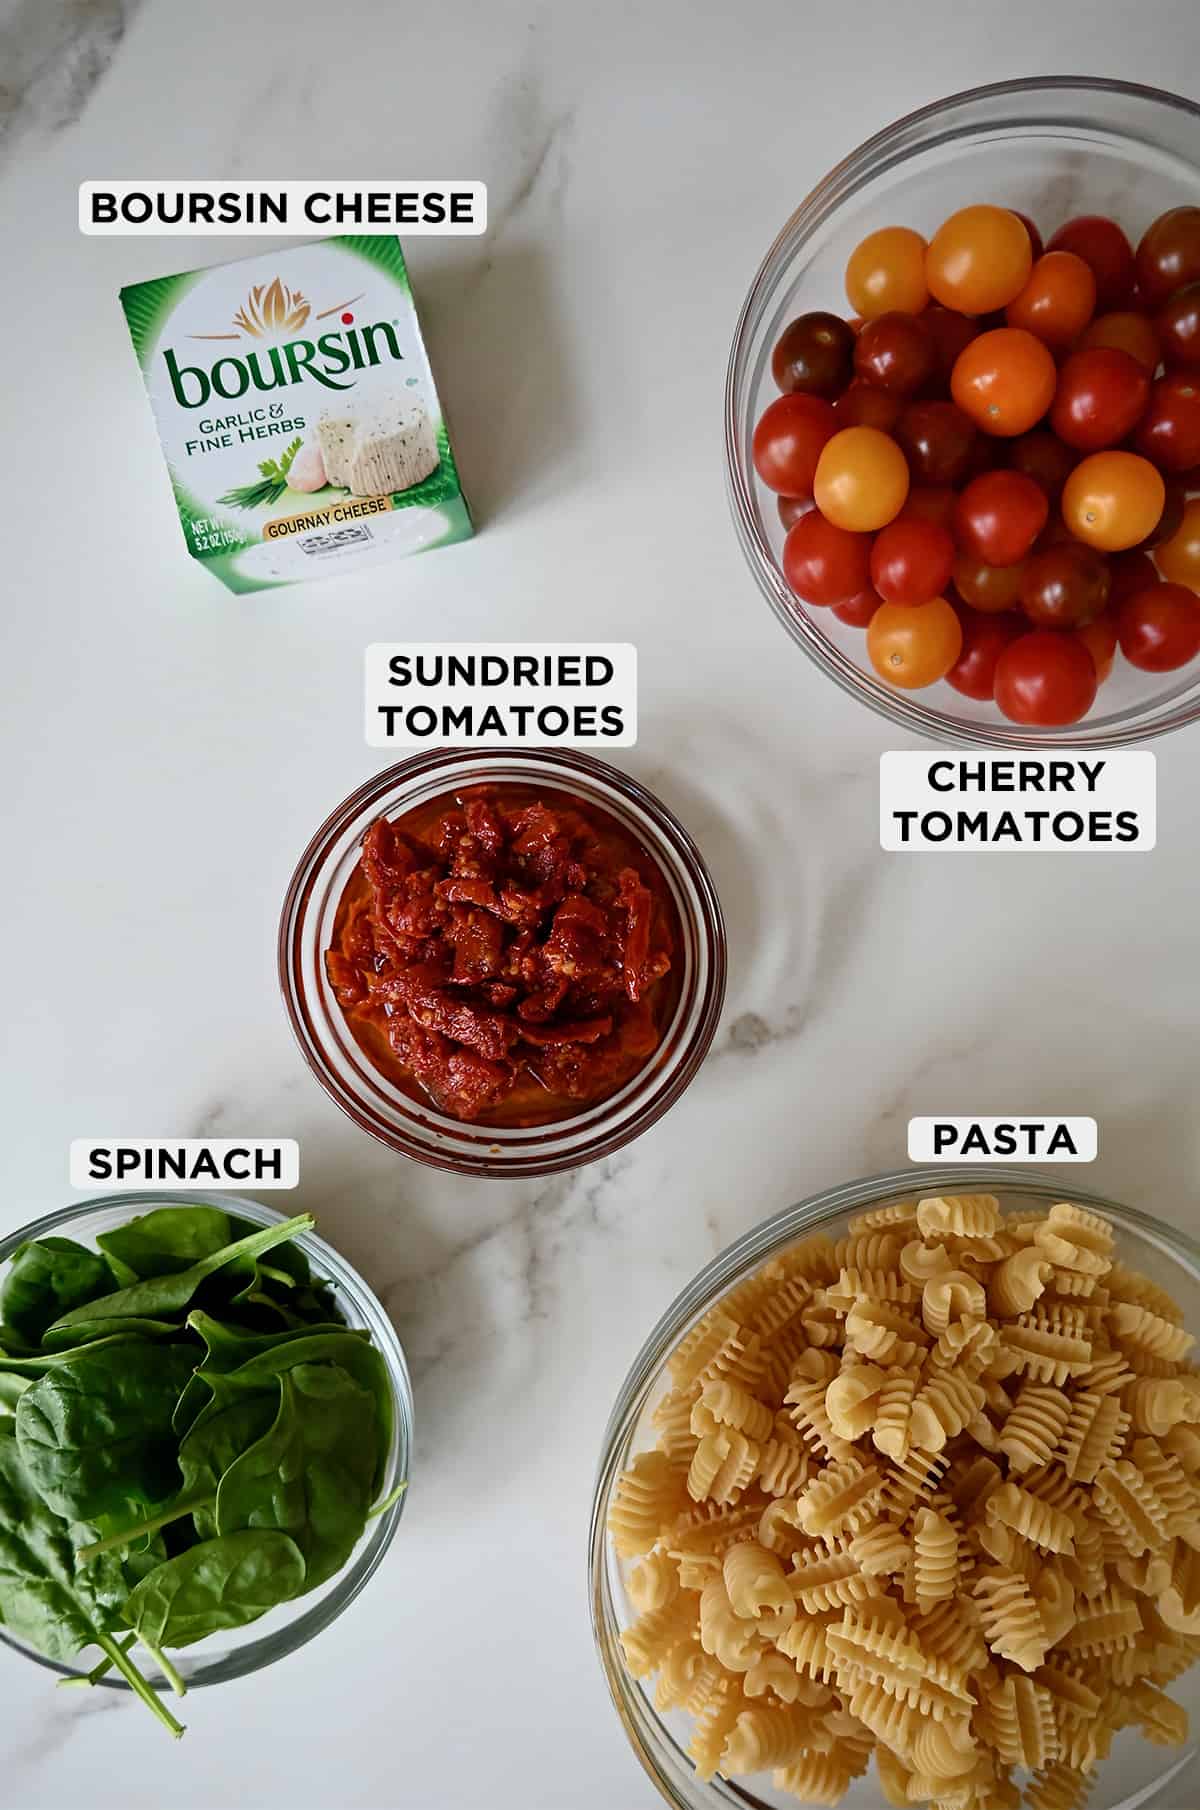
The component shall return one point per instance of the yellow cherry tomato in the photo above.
(911, 645)
(1178, 559)
(1113, 500)
(886, 273)
(861, 480)
(978, 260)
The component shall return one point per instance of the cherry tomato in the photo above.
(1169, 521)
(1004, 381)
(1169, 431)
(1159, 628)
(1102, 245)
(1042, 457)
(978, 259)
(791, 508)
(950, 332)
(1065, 586)
(1168, 257)
(861, 479)
(824, 564)
(1101, 395)
(1125, 332)
(1100, 639)
(1178, 559)
(788, 442)
(984, 640)
(814, 355)
(886, 273)
(1113, 500)
(989, 589)
(1129, 572)
(1045, 678)
(937, 439)
(1035, 238)
(930, 503)
(1000, 514)
(911, 561)
(858, 611)
(916, 645)
(862, 405)
(1178, 323)
(1057, 302)
(894, 352)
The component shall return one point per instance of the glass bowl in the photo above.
(283, 1630)
(415, 1127)
(1135, 1772)
(1052, 148)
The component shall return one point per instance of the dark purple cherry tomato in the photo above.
(937, 440)
(1169, 432)
(1065, 586)
(896, 353)
(791, 508)
(814, 355)
(1042, 457)
(862, 405)
(950, 332)
(1178, 326)
(1168, 257)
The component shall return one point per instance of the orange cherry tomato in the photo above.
(911, 645)
(1057, 302)
(1113, 500)
(1004, 380)
(978, 260)
(1178, 559)
(1125, 332)
(886, 273)
(861, 480)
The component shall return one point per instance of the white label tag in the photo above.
(963, 801)
(229, 207)
(151, 1164)
(998, 1140)
(501, 694)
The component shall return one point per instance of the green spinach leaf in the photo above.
(223, 1583)
(168, 1239)
(46, 1278)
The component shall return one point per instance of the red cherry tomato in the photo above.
(911, 561)
(1036, 244)
(1065, 586)
(1101, 394)
(1178, 324)
(1042, 457)
(991, 589)
(1171, 519)
(1129, 573)
(895, 353)
(1169, 431)
(824, 564)
(1101, 244)
(937, 440)
(1168, 257)
(1100, 639)
(950, 333)
(1000, 514)
(858, 611)
(930, 503)
(1126, 332)
(984, 640)
(1159, 628)
(788, 442)
(791, 508)
(863, 405)
(1045, 678)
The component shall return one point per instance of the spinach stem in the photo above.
(138, 1684)
(389, 1501)
(98, 1670)
(174, 1512)
(164, 1665)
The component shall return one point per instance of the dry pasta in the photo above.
(928, 1496)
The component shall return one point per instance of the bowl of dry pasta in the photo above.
(900, 1505)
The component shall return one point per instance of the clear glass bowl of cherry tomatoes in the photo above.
(963, 417)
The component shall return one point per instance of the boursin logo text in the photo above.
(273, 311)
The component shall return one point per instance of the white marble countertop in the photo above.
(169, 749)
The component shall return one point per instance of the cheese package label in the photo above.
(297, 412)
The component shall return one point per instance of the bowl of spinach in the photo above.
(205, 1428)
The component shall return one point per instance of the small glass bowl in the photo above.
(415, 1127)
(285, 1629)
(1136, 1773)
(1053, 148)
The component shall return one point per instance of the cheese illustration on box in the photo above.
(298, 412)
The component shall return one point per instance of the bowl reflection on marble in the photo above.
(1136, 1773)
(288, 1627)
(1051, 148)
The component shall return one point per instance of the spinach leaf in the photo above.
(39, 1362)
(70, 1339)
(12, 1388)
(159, 1296)
(343, 1347)
(168, 1239)
(46, 1278)
(223, 1583)
(42, 1599)
(311, 1474)
(109, 1578)
(96, 1435)
(227, 1347)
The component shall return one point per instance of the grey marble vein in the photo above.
(52, 55)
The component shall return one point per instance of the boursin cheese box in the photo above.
(297, 412)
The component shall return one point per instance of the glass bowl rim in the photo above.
(670, 844)
(743, 1254)
(244, 1661)
(842, 182)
